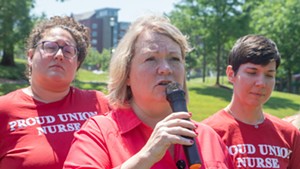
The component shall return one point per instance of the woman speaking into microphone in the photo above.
(142, 131)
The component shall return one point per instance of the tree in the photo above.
(15, 24)
(215, 23)
(279, 20)
(105, 59)
(181, 19)
(96, 60)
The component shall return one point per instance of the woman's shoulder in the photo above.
(104, 122)
(281, 124)
(219, 118)
(11, 94)
(12, 97)
(12, 101)
(205, 128)
(88, 94)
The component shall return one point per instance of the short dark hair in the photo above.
(255, 49)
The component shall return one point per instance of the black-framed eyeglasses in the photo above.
(53, 47)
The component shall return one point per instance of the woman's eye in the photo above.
(50, 48)
(175, 58)
(149, 59)
(251, 73)
(67, 51)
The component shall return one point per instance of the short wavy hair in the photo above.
(119, 94)
(79, 32)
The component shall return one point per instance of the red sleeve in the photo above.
(295, 154)
(103, 103)
(213, 150)
(89, 149)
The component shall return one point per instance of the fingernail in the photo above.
(192, 141)
(196, 125)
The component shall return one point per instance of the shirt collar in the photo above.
(126, 119)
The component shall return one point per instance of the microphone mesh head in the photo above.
(171, 87)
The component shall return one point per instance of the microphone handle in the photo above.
(191, 152)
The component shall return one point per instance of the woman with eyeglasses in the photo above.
(37, 122)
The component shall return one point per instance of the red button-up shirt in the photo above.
(108, 141)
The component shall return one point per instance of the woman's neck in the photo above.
(45, 95)
(150, 115)
(251, 116)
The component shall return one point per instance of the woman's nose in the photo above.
(261, 81)
(164, 67)
(59, 54)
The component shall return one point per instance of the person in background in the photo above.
(254, 138)
(294, 120)
(38, 122)
(142, 131)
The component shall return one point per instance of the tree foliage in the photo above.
(15, 24)
(279, 20)
(210, 24)
(96, 60)
(214, 25)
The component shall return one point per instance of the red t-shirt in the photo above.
(108, 141)
(36, 135)
(272, 144)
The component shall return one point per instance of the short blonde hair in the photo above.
(119, 93)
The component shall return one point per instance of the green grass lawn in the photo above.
(88, 80)
(204, 98)
(13, 73)
(16, 72)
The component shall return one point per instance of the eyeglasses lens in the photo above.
(53, 47)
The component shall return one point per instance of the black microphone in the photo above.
(180, 164)
(176, 97)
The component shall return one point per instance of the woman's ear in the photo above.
(30, 54)
(230, 73)
(128, 81)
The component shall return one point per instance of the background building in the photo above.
(106, 30)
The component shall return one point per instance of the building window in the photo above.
(101, 14)
(94, 41)
(94, 26)
(94, 34)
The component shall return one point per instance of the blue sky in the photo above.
(129, 9)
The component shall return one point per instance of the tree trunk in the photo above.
(204, 67)
(218, 64)
(8, 55)
(289, 81)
